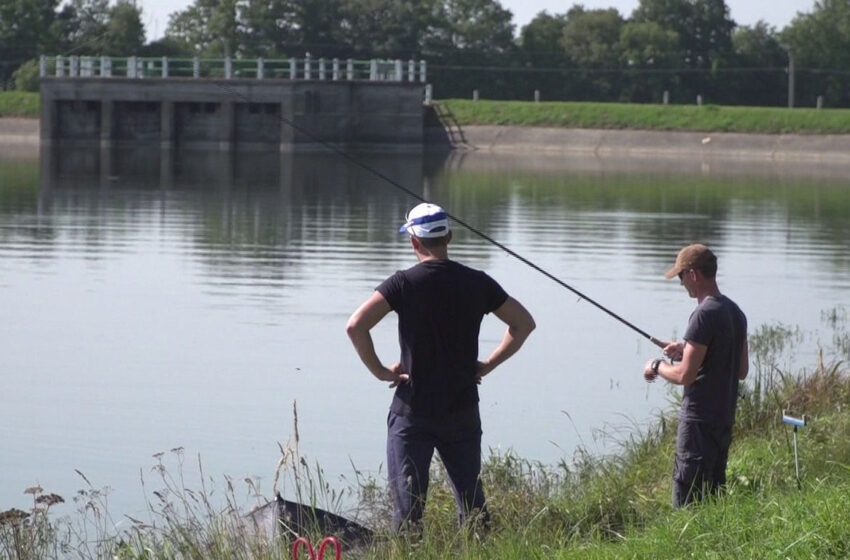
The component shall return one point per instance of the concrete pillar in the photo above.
(164, 66)
(107, 118)
(260, 68)
(293, 69)
(307, 68)
(373, 70)
(537, 96)
(228, 68)
(820, 102)
(86, 67)
(336, 69)
(322, 69)
(60, 66)
(666, 97)
(42, 66)
(399, 72)
(75, 67)
(166, 125)
(196, 67)
(131, 67)
(105, 66)
(48, 123)
(475, 95)
(228, 126)
(699, 100)
(429, 93)
(411, 71)
(422, 73)
(349, 70)
(287, 113)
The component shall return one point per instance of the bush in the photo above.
(27, 76)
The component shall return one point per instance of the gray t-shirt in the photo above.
(719, 324)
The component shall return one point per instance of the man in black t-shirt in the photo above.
(712, 360)
(440, 304)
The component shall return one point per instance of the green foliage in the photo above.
(27, 76)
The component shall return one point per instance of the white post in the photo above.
(475, 95)
(164, 66)
(85, 67)
(42, 66)
(373, 69)
(307, 67)
(422, 74)
(336, 69)
(537, 96)
(261, 68)
(411, 71)
(820, 102)
(699, 100)
(228, 68)
(429, 93)
(399, 71)
(196, 67)
(60, 66)
(321, 68)
(75, 67)
(105, 67)
(293, 69)
(349, 70)
(666, 98)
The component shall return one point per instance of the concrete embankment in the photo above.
(834, 149)
(645, 143)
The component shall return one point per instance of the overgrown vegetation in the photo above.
(614, 506)
(19, 104)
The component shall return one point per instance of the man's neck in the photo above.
(709, 290)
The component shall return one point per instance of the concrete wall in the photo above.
(290, 115)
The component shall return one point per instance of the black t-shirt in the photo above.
(440, 305)
(719, 324)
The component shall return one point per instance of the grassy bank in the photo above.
(588, 506)
(19, 104)
(714, 118)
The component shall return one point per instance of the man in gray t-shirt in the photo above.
(712, 359)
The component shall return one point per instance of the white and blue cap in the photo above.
(426, 220)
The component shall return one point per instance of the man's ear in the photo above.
(414, 242)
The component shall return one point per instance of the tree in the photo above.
(820, 43)
(591, 40)
(206, 27)
(762, 61)
(24, 32)
(389, 28)
(540, 41)
(125, 32)
(648, 51)
(704, 29)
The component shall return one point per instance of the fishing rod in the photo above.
(355, 161)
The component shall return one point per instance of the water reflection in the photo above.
(155, 299)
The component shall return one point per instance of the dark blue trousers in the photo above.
(411, 442)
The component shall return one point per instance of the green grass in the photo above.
(19, 104)
(586, 507)
(708, 118)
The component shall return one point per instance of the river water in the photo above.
(153, 301)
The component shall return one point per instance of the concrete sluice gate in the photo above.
(241, 114)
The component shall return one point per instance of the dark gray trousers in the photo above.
(411, 442)
(702, 451)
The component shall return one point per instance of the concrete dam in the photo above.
(287, 105)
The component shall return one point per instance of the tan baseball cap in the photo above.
(693, 256)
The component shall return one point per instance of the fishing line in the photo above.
(476, 231)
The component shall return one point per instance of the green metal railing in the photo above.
(233, 68)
